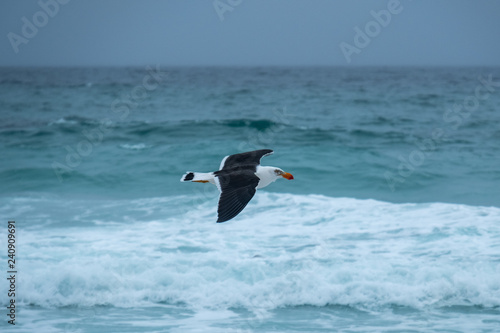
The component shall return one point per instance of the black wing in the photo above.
(237, 189)
(251, 158)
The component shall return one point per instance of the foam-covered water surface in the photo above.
(329, 261)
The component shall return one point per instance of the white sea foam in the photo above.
(63, 121)
(138, 146)
(282, 250)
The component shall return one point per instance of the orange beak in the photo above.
(287, 176)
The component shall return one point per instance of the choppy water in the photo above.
(392, 222)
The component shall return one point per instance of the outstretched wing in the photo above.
(251, 158)
(237, 189)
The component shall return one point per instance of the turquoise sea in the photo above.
(392, 223)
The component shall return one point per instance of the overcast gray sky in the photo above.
(252, 32)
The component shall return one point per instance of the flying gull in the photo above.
(240, 175)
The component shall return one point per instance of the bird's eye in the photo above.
(278, 172)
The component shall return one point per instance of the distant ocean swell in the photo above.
(83, 136)
(74, 149)
(84, 129)
(453, 118)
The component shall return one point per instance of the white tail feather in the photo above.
(198, 177)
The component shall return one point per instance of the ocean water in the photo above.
(392, 223)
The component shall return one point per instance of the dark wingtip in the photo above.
(189, 176)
